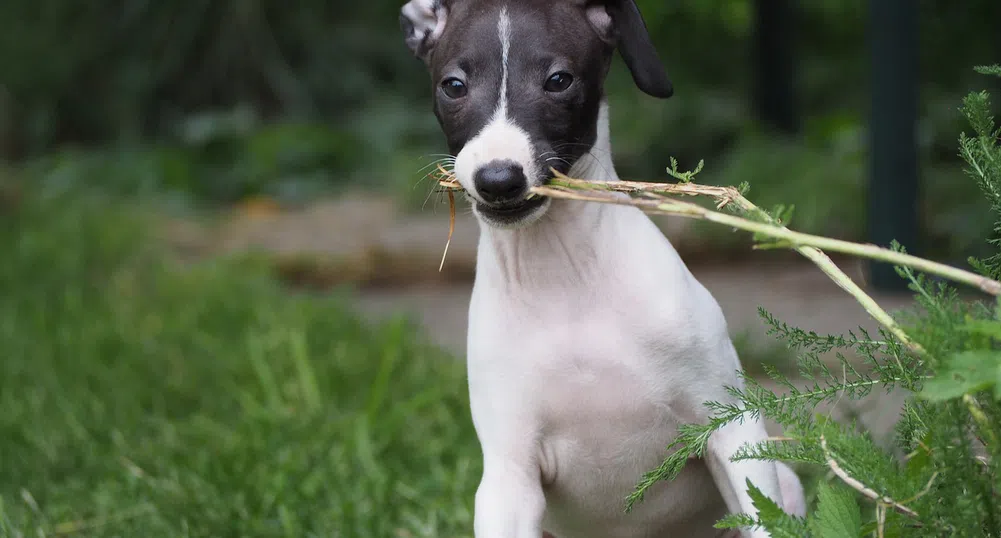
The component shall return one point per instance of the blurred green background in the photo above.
(152, 389)
(220, 100)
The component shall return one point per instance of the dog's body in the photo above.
(581, 369)
(589, 340)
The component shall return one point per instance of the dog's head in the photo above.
(518, 85)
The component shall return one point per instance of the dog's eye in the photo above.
(558, 82)
(453, 88)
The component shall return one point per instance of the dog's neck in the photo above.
(597, 164)
(561, 246)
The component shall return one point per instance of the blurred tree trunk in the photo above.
(893, 181)
(774, 52)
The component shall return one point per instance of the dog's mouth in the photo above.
(514, 212)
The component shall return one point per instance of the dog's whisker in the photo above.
(438, 201)
(428, 165)
(422, 177)
(564, 145)
(447, 162)
(431, 193)
(438, 156)
(440, 160)
(601, 164)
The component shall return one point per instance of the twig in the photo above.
(726, 195)
(860, 487)
(924, 491)
(981, 419)
(880, 520)
(806, 244)
(800, 242)
(451, 227)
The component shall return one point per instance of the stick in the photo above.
(808, 245)
(451, 227)
(796, 240)
(859, 486)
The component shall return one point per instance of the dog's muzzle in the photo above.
(503, 192)
(500, 183)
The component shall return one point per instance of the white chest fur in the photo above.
(585, 367)
(589, 342)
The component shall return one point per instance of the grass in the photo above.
(139, 398)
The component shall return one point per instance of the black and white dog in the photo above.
(589, 339)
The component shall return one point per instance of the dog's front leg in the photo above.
(731, 477)
(509, 501)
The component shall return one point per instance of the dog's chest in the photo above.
(595, 391)
(598, 370)
(579, 368)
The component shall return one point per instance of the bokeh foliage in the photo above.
(108, 70)
(225, 99)
(142, 397)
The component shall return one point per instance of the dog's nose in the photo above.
(500, 181)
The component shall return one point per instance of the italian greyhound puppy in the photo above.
(589, 340)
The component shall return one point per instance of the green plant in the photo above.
(143, 397)
(941, 476)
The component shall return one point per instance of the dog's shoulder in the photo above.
(657, 273)
(673, 311)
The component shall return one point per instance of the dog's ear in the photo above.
(423, 22)
(619, 23)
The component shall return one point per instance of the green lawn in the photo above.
(140, 398)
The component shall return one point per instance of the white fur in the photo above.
(504, 33)
(589, 343)
(500, 139)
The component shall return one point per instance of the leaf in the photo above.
(772, 518)
(735, 521)
(889, 531)
(989, 70)
(918, 463)
(983, 327)
(837, 514)
(965, 372)
(767, 509)
(684, 177)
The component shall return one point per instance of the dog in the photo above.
(589, 339)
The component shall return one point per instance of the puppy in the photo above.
(589, 340)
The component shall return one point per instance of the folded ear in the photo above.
(620, 23)
(423, 22)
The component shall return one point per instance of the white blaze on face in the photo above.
(500, 138)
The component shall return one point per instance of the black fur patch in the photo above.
(562, 126)
(546, 36)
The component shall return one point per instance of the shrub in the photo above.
(941, 473)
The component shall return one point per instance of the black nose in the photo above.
(500, 181)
